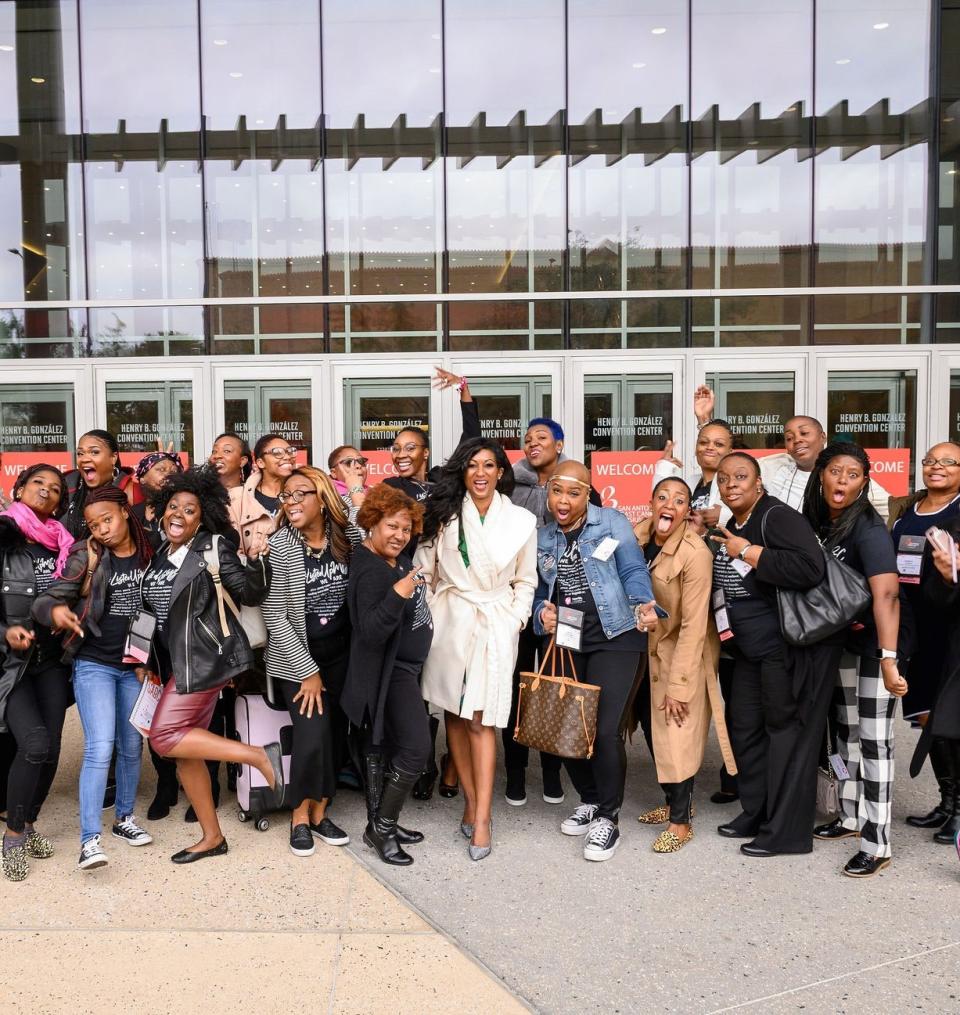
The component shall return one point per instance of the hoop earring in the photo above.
(116, 471)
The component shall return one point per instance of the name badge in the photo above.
(740, 566)
(839, 768)
(569, 628)
(721, 616)
(910, 559)
(605, 548)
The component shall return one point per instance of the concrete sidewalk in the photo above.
(257, 930)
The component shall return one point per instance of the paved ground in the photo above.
(702, 931)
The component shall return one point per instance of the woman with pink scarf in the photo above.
(34, 683)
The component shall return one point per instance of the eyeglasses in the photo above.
(947, 463)
(406, 449)
(296, 496)
(279, 453)
(351, 462)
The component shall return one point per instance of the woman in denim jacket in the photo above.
(589, 562)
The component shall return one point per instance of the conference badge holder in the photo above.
(569, 628)
(910, 559)
(721, 615)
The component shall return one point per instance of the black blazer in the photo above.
(376, 615)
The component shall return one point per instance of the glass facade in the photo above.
(309, 148)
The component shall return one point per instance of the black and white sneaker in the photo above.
(579, 822)
(330, 833)
(131, 833)
(301, 841)
(91, 855)
(602, 840)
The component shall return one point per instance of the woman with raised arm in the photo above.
(479, 558)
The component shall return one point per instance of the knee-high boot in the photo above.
(942, 769)
(373, 789)
(947, 835)
(381, 833)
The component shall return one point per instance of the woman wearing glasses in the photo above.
(935, 505)
(348, 470)
(309, 646)
(254, 507)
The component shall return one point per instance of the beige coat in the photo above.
(684, 650)
(248, 514)
(478, 611)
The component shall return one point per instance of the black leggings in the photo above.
(35, 711)
(600, 780)
(406, 726)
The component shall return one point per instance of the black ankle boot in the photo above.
(947, 835)
(166, 797)
(381, 833)
(940, 763)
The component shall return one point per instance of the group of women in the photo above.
(387, 608)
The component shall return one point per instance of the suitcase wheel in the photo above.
(262, 824)
(242, 816)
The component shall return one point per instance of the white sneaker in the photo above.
(131, 833)
(579, 822)
(602, 841)
(91, 855)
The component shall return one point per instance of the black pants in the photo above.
(679, 797)
(406, 728)
(35, 711)
(518, 755)
(8, 751)
(600, 780)
(316, 739)
(728, 782)
(777, 745)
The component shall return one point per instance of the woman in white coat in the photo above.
(478, 556)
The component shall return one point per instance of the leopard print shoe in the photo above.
(38, 846)
(15, 865)
(670, 842)
(655, 817)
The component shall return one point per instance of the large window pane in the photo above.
(872, 86)
(751, 177)
(41, 207)
(36, 425)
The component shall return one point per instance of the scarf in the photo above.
(50, 533)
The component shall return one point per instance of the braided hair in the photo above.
(815, 508)
(205, 485)
(114, 495)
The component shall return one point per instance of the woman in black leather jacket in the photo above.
(201, 642)
(34, 683)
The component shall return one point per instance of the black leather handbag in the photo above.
(810, 615)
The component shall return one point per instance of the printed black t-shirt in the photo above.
(416, 632)
(122, 602)
(701, 496)
(157, 590)
(272, 504)
(46, 644)
(325, 595)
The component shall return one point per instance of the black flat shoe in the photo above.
(863, 865)
(834, 830)
(186, 856)
(445, 789)
(751, 849)
(934, 819)
(735, 832)
(722, 797)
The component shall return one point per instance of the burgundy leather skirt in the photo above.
(177, 714)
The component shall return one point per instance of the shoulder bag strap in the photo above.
(212, 558)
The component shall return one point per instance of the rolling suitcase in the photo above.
(259, 723)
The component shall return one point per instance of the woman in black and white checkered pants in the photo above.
(838, 506)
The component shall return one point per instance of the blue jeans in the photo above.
(105, 698)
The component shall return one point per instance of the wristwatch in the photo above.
(885, 653)
(740, 555)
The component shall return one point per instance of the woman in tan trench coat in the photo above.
(684, 648)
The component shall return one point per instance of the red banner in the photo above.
(14, 462)
(379, 466)
(890, 467)
(624, 480)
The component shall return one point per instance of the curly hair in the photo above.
(205, 485)
(332, 505)
(383, 501)
(446, 496)
(114, 495)
(815, 508)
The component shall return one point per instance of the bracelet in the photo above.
(356, 489)
(462, 384)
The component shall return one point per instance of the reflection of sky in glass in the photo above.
(260, 60)
(492, 213)
(503, 56)
(140, 63)
(382, 58)
(618, 63)
(750, 51)
(144, 230)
